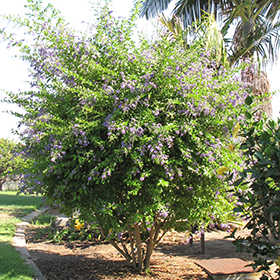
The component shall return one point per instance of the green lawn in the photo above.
(12, 208)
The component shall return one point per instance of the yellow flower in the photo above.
(78, 225)
(231, 147)
(235, 131)
(110, 230)
(222, 170)
(272, 139)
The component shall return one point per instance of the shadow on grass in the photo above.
(17, 211)
(8, 199)
(12, 265)
(18, 205)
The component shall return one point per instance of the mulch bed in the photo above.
(86, 260)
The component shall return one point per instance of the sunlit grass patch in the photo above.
(12, 208)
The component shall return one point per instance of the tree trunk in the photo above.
(138, 255)
(150, 248)
(114, 244)
(138, 246)
(131, 246)
(260, 88)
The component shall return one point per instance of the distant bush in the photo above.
(10, 163)
(259, 192)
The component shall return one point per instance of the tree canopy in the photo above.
(10, 161)
(128, 136)
(259, 193)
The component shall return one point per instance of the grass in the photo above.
(43, 220)
(12, 208)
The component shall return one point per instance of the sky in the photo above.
(13, 71)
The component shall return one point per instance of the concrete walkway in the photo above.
(19, 243)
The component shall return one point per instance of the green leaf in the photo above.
(238, 209)
(265, 162)
(163, 183)
(238, 182)
(258, 155)
(248, 100)
(268, 151)
(271, 124)
(272, 171)
(248, 115)
(273, 209)
(265, 136)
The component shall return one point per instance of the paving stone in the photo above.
(33, 214)
(61, 221)
(228, 269)
(19, 243)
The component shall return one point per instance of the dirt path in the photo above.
(171, 259)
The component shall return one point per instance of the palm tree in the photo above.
(188, 10)
(191, 10)
(256, 31)
(255, 21)
(207, 31)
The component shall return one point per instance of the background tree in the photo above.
(256, 36)
(128, 136)
(9, 162)
(259, 193)
(255, 23)
(207, 32)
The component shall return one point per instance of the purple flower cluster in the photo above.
(81, 135)
(111, 121)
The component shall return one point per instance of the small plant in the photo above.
(43, 220)
(79, 225)
(58, 236)
(75, 230)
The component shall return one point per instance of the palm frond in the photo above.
(271, 10)
(152, 8)
(192, 10)
(267, 44)
(256, 23)
(235, 12)
(264, 42)
(174, 25)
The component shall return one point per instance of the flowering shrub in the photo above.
(128, 135)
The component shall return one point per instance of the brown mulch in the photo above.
(84, 260)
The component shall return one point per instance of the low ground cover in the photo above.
(12, 208)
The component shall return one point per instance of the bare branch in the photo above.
(112, 242)
(138, 245)
(131, 245)
(165, 231)
(150, 248)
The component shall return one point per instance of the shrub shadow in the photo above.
(214, 248)
(57, 266)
